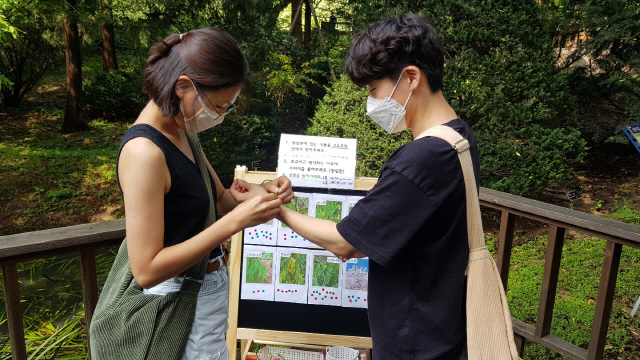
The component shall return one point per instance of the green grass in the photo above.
(576, 296)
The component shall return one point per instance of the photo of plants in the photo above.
(259, 269)
(293, 269)
(299, 205)
(325, 273)
(357, 275)
(332, 210)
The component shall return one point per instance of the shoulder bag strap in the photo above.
(461, 145)
(199, 269)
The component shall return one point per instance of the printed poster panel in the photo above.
(292, 278)
(356, 283)
(325, 279)
(258, 275)
(287, 237)
(316, 161)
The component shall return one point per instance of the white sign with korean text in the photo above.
(315, 161)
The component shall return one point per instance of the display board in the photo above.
(281, 283)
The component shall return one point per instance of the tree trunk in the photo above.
(307, 23)
(109, 60)
(297, 27)
(72, 115)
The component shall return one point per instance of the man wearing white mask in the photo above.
(412, 225)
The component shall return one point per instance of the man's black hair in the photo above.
(386, 47)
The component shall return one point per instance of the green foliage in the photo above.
(623, 210)
(325, 273)
(607, 62)
(332, 210)
(116, 94)
(293, 270)
(299, 205)
(239, 140)
(500, 76)
(32, 49)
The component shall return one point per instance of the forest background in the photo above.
(547, 85)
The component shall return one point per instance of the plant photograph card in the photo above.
(356, 283)
(291, 281)
(258, 275)
(324, 288)
(349, 204)
(288, 237)
(263, 234)
(328, 207)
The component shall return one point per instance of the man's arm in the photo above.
(319, 231)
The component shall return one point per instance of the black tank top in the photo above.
(186, 205)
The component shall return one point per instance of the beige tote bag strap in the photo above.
(461, 145)
(489, 328)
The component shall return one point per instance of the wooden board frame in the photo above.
(261, 336)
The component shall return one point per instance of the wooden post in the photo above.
(89, 288)
(235, 259)
(519, 340)
(324, 47)
(550, 280)
(14, 311)
(505, 243)
(604, 302)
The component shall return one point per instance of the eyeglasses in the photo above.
(231, 108)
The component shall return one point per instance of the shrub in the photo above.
(240, 139)
(114, 94)
(500, 77)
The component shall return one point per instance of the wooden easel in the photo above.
(271, 337)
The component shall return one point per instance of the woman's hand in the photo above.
(257, 210)
(281, 187)
(243, 191)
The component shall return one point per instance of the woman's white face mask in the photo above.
(203, 119)
(388, 113)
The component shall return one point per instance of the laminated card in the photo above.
(356, 283)
(350, 203)
(288, 237)
(258, 275)
(292, 280)
(316, 161)
(325, 279)
(263, 234)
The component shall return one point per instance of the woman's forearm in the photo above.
(323, 233)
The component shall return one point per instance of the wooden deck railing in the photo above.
(84, 239)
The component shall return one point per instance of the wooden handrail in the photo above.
(84, 239)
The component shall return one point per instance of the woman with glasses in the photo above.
(193, 80)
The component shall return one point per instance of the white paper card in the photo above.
(324, 279)
(355, 283)
(316, 161)
(292, 277)
(258, 274)
(263, 234)
(300, 204)
(349, 204)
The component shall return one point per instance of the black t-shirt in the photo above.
(413, 227)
